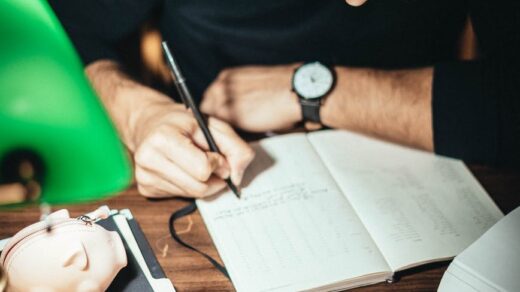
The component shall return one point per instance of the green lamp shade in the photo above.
(48, 108)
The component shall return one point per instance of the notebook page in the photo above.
(418, 207)
(491, 263)
(292, 229)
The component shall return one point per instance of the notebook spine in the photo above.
(392, 279)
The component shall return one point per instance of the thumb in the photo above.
(236, 151)
(218, 164)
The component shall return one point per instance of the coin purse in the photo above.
(64, 254)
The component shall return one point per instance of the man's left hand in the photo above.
(254, 98)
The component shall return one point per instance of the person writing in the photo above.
(383, 68)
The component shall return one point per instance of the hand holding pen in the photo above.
(188, 101)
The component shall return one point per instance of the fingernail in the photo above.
(223, 172)
(226, 173)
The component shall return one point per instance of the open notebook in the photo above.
(333, 210)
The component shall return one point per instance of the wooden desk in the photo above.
(190, 272)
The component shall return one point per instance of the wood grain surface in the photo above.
(190, 272)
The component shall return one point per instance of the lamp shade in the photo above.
(50, 113)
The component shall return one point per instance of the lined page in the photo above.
(293, 229)
(418, 207)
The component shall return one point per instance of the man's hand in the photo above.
(170, 151)
(254, 98)
(172, 156)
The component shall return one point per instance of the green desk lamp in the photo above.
(55, 137)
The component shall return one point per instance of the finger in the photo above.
(214, 97)
(207, 103)
(218, 101)
(153, 192)
(164, 189)
(236, 151)
(150, 192)
(151, 185)
(215, 160)
(225, 112)
(219, 164)
(179, 149)
(215, 184)
(162, 168)
(224, 172)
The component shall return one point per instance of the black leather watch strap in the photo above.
(311, 109)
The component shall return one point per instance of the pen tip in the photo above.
(236, 191)
(233, 188)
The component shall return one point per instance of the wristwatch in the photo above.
(312, 82)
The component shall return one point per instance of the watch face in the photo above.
(313, 80)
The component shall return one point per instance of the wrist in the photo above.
(128, 103)
(110, 84)
(293, 105)
(145, 111)
(313, 82)
(335, 108)
(294, 110)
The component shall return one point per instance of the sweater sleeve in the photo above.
(476, 104)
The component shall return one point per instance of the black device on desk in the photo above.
(136, 276)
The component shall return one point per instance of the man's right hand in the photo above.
(172, 157)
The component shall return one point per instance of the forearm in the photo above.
(127, 101)
(393, 105)
(170, 153)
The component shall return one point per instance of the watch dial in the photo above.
(313, 80)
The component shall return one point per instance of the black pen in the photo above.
(187, 99)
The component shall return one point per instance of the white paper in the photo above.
(492, 263)
(292, 229)
(332, 206)
(418, 207)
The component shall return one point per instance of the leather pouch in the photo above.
(64, 254)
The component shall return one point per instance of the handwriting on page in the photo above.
(291, 220)
(267, 199)
(283, 234)
(419, 194)
(286, 226)
(416, 205)
(401, 225)
(466, 193)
